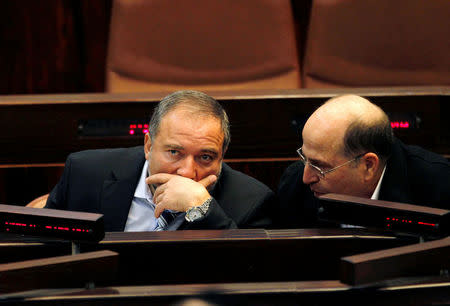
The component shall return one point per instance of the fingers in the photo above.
(159, 210)
(178, 193)
(158, 192)
(209, 180)
(158, 178)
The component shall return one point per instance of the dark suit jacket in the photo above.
(104, 181)
(413, 175)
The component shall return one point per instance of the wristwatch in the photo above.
(196, 212)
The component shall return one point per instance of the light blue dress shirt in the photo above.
(141, 217)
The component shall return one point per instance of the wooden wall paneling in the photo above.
(53, 46)
(94, 19)
(40, 50)
(265, 127)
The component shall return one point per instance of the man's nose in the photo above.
(310, 176)
(188, 168)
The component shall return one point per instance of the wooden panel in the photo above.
(399, 217)
(424, 292)
(53, 46)
(237, 255)
(58, 272)
(429, 258)
(264, 124)
(264, 267)
(54, 223)
(224, 255)
(19, 248)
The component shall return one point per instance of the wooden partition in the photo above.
(214, 256)
(240, 267)
(58, 272)
(426, 258)
(37, 132)
(422, 292)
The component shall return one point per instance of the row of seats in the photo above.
(160, 45)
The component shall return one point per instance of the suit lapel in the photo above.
(394, 186)
(118, 190)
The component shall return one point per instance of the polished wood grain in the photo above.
(53, 46)
(422, 291)
(58, 272)
(230, 255)
(238, 255)
(428, 258)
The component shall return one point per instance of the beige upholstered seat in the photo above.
(378, 43)
(39, 202)
(160, 45)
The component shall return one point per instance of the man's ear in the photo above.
(147, 143)
(371, 164)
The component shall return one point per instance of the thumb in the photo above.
(158, 210)
(210, 179)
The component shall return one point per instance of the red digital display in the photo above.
(11, 225)
(138, 129)
(400, 124)
(393, 220)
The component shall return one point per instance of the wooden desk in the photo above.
(403, 292)
(256, 267)
(148, 258)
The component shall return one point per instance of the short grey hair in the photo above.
(201, 102)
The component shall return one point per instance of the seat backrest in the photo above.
(377, 43)
(39, 202)
(160, 45)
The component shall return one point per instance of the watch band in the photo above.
(205, 206)
(198, 212)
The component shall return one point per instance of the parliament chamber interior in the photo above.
(79, 75)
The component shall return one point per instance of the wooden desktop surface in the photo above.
(330, 292)
(256, 267)
(149, 258)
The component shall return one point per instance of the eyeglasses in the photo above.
(321, 173)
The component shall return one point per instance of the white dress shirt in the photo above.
(141, 216)
(376, 192)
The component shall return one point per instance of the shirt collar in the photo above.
(376, 193)
(142, 190)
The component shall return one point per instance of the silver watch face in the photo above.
(194, 214)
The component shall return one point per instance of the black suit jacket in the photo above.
(104, 181)
(413, 175)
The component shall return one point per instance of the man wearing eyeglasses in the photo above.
(349, 148)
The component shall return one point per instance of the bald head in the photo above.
(350, 125)
(350, 108)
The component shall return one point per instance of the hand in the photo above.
(178, 193)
